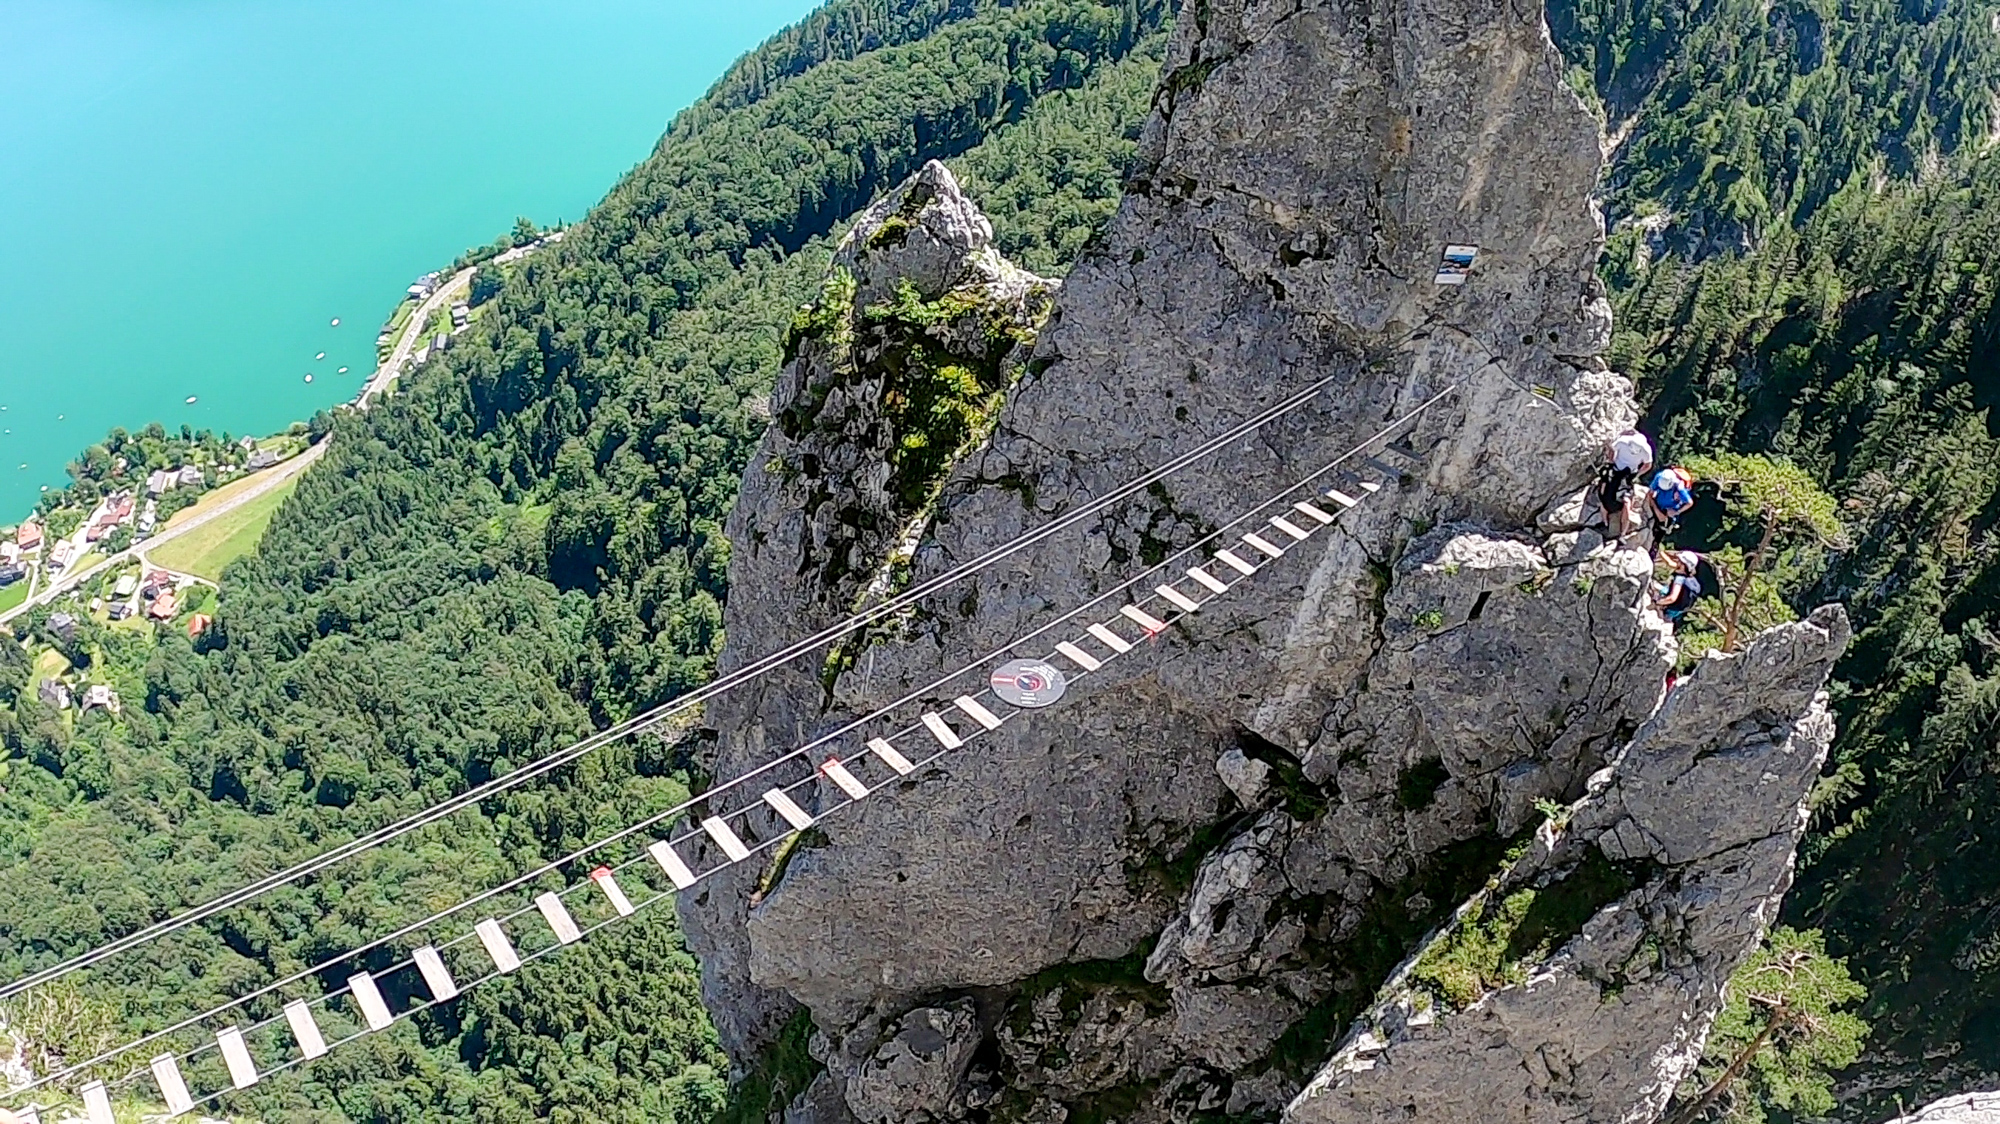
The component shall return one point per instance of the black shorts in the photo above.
(1614, 486)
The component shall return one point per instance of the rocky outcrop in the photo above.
(1166, 896)
(1620, 928)
(895, 368)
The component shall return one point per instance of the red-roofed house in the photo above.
(29, 536)
(198, 624)
(163, 607)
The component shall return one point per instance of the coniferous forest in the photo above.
(523, 544)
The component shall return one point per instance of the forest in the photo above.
(524, 543)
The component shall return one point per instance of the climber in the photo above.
(1675, 596)
(1630, 456)
(1670, 497)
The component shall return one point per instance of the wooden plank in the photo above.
(1263, 545)
(368, 997)
(788, 808)
(1388, 470)
(1341, 498)
(838, 774)
(1078, 656)
(1207, 579)
(1153, 625)
(1298, 533)
(979, 714)
(97, 1104)
(1109, 639)
(725, 839)
(173, 1087)
(236, 1055)
(304, 1030)
(890, 757)
(669, 860)
(497, 945)
(945, 735)
(557, 915)
(1176, 598)
(608, 884)
(437, 977)
(1235, 562)
(1312, 513)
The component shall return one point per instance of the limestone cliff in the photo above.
(1620, 925)
(1169, 896)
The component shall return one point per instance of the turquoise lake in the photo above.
(193, 191)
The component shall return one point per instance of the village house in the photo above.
(10, 553)
(198, 624)
(461, 315)
(160, 482)
(59, 555)
(424, 286)
(164, 606)
(63, 625)
(190, 476)
(112, 512)
(247, 443)
(127, 585)
(262, 459)
(53, 693)
(99, 696)
(147, 519)
(29, 537)
(11, 572)
(119, 610)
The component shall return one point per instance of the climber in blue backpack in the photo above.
(1670, 497)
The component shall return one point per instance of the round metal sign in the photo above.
(1028, 683)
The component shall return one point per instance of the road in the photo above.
(459, 286)
(268, 479)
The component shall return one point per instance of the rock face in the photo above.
(919, 314)
(1165, 896)
(1671, 866)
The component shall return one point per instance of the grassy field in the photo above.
(205, 550)
(49, 664)
(220, 495)
(13, 595)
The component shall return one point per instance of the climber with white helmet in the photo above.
(1670, 497)
(1675, 596)
(1630, 456)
